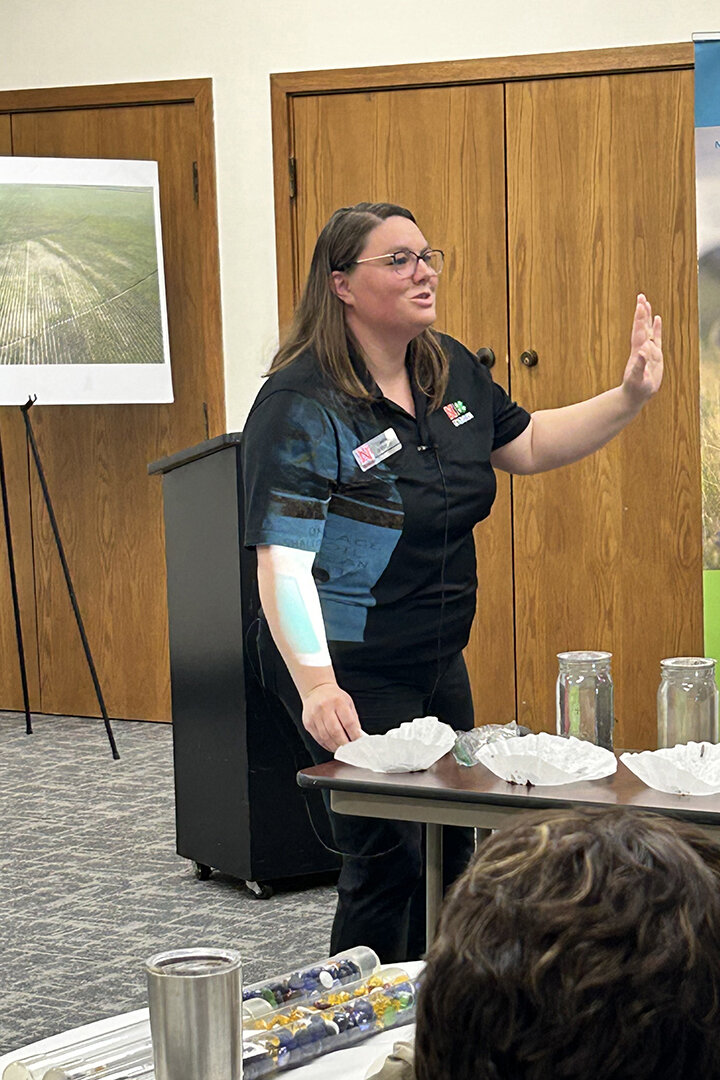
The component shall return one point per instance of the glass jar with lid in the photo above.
(585, 697)
(687, 701)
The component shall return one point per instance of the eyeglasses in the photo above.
(405, 262)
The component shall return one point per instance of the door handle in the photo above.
(529, 358)
(486, 356)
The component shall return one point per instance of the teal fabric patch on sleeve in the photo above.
(296, 623)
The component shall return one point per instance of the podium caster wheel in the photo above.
(202, 872)
(260, 890)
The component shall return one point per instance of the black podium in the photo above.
(238, 808)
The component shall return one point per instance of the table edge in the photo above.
(362, 786)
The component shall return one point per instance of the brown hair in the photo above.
(319, 321)
(578, 944)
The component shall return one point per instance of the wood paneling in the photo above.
(493, 69)
(105, 95)
(287, 87)
(109, 511)
(439, 152)
(5, 135)
(607, 551)
(285, 219)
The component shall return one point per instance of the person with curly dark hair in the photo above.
(578, 944)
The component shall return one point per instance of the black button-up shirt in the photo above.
(395, 562)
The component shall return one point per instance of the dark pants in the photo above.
(381, 889)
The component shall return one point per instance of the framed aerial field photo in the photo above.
(83, 317)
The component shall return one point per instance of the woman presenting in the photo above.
(369, 455)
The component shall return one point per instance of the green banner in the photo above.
(707, 158)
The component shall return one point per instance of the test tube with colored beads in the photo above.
(322, 1030)
(258, 1015)
(296, 986)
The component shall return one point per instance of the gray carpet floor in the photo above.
(90, 884)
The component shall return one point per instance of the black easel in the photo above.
(25, 409)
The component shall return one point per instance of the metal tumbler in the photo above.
(195, 999)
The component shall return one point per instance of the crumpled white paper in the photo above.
(547, 759)
(414, 746)
(686, 769)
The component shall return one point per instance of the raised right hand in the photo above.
(329, 715)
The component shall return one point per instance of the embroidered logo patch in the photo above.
(457, 411)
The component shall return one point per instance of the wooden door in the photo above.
(440, 152)
(109, 511)
(607, 551)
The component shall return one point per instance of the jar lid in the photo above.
(699, 663)
(585, 657)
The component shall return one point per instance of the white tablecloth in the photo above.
(350, 1064)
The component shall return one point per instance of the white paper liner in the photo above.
(547, 759)
(686, 769)
(411, 747)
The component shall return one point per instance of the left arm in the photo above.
(556, 437)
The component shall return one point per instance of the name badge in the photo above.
(377, 449)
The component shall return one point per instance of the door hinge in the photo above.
(292, 170)
(196, 183)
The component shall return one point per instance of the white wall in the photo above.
(237, 43)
